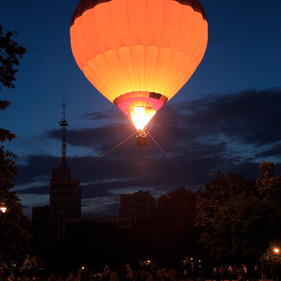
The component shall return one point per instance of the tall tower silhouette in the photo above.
(63, 123)
(65, 199)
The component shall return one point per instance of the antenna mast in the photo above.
(63, 123)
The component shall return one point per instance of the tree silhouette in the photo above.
(10, 53)
(223, 214)
(236, 217)
(14, 234)
(269, 184)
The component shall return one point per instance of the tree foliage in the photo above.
(175, 222)
(269, 184)
(14, 235)
(238, 217)
(10, 53)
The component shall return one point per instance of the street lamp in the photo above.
(275, 262)
(3, 209)
(276, 250)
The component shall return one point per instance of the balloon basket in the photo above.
(141, 138)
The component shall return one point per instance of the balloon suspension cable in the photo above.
(149, 126)
(168, 157)
(107, 152)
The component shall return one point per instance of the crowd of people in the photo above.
(238, 273)
(122, 273)
(194, 272)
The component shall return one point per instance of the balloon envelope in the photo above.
(138, 53)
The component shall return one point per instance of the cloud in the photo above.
(94, 138)
(39, 190)
(101, 206)
(190, 141)
(107, 115)
(249, 116)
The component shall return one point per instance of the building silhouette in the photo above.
(65, 202)
(65, 195)
(65, 198)
(137, 206)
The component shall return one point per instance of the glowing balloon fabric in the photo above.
(139, 53)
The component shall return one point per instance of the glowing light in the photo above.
(141, 116)
(147, 262)
(3, 209)
(276, 250)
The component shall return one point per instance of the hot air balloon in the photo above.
(138, 53)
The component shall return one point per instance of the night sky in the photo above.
(227, 117)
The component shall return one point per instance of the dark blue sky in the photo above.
(226, 117)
